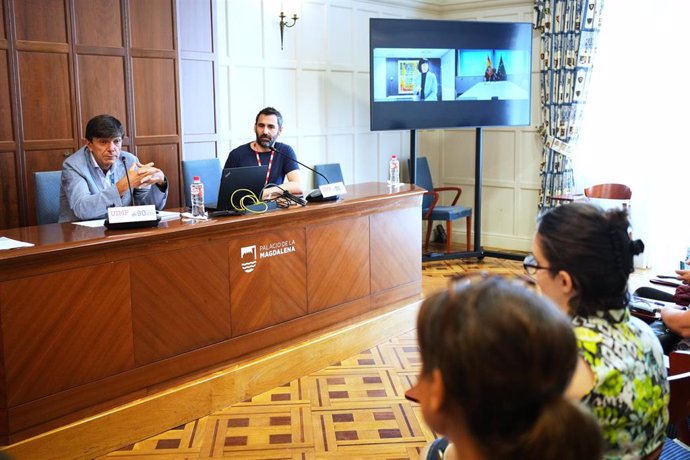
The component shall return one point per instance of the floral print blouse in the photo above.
(630, 394)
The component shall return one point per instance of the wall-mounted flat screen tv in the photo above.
(427, 74)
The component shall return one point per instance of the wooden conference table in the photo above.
(95, 318)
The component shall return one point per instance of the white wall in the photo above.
(320, 82)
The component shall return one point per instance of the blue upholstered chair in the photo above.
(432, 210)
(209, 171)
(331, 171)
(47, 196)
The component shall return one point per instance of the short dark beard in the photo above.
(263, 142)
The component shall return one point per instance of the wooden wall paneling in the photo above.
(337, 251)
(3, 35)
(196, 25)
(4, 420)
(101, 88)
(166, 158)
(9, 201)
(98, 23)
(180, 301)
(46, 98)
(47, 319)
(198, 62)
(198, 96)
(155, 96)
(394, 261)
(151, 24)
(41, 20)
(6, 125)
(267, 279)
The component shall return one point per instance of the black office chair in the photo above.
(431, 210)
(331, 170)
(47, 196)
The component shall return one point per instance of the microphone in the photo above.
(129, 184)
(315, 195)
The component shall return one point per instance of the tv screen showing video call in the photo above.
(429, 74)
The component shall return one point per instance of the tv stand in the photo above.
(478, 252)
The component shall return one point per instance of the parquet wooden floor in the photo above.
(354, 409)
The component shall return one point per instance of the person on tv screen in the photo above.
(94, 177)
(283, 169)
(426, 87)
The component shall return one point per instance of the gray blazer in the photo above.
(82, 196)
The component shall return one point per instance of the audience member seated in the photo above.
(582, 257)
(673, 329)
(496, 360)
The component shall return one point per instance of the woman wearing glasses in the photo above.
(496, 360)
(582, 257)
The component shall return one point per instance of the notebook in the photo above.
(235, 183)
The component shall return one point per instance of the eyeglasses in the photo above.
(531, 266)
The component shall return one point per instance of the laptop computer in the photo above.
(235, 183)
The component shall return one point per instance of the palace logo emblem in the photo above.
(248, 258)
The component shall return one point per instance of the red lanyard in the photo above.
(270, 163)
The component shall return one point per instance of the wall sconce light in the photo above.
(284, 24)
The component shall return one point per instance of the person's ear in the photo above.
(437, 391)
(566, 282)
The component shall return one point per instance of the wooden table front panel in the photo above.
(337, 262)
(396, 248)
(65, 329)
(91, 317)
(267, 279)
(180, 301)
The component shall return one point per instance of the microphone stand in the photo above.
(316, 194)
(129, 184)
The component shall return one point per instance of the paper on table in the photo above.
(167, 215)
(91, 223)
(9, 243)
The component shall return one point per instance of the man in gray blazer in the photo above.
(94, 177)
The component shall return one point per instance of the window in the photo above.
(636, 128)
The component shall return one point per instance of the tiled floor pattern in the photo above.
(354, 409)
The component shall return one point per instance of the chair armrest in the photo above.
(433, 203)
(457, 190)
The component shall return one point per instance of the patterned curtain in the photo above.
(569, 31)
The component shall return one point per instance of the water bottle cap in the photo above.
(197, 178)
(394, 156)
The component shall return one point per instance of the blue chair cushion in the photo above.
(332, 172)
(448, 212)
(47, 196)
(674, 451)
(209, 170)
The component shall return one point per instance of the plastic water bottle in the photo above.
(394, 171)
(197, 189)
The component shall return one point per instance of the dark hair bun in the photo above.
(636, 247)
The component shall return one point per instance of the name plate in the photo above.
(336, 188)
(122, 214)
